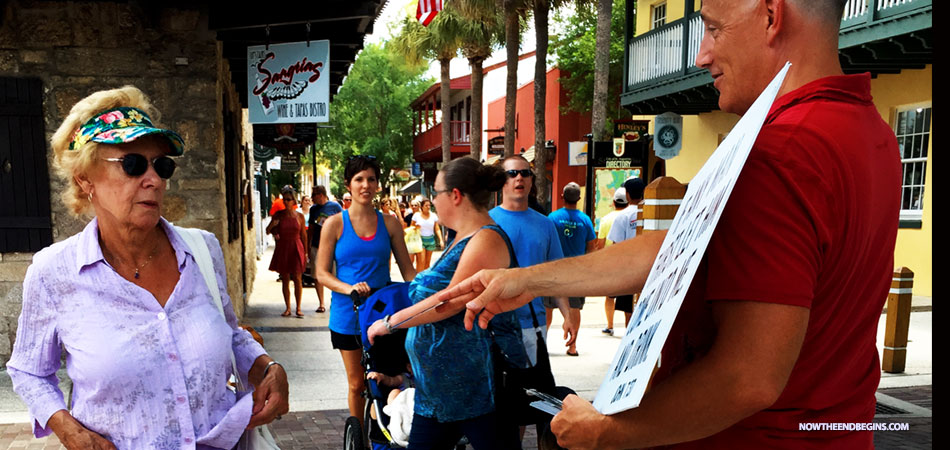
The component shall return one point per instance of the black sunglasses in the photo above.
(525, 173)
(136, 165)
(368, 157)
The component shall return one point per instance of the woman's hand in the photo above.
(362, 288)
(270, 397)
(74, 436)
(378, 328)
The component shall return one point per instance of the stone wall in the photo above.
(77, 48)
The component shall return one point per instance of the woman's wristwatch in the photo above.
(389, 327)
(268, 366)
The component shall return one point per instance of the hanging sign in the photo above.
(668, 137)
(289, 83)
(577, 153)
(677, 261)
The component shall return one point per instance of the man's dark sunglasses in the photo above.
(135, 165)
(367, 157)
(525, 173)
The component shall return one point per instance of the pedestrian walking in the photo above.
(576, 233)
(290, 231)
(322, 209)
(358, 242)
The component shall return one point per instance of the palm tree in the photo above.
(601, 70)
(481, 29)
(541, 10)
(437, 41)
(514, 11)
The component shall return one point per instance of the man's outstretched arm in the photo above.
(619, 269)
(744, 372)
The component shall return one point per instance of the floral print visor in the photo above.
(121, 125)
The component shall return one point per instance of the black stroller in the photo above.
(387, 356)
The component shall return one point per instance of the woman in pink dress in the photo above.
(290, 232)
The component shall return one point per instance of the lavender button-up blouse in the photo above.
(144, 377)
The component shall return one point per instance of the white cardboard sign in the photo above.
(678, 259)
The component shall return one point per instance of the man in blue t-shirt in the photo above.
(322, 208)
(535, 240)
(576, 233)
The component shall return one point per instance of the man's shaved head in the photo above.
(827, 11)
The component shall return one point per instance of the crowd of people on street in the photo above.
(778, 327)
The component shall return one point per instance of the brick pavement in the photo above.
(323, 430)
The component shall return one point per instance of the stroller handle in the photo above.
(357, 299)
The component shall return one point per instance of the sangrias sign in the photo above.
(289, 83)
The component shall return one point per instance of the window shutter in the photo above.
(25, 224)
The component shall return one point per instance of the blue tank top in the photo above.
(358, 259)
(452, 366)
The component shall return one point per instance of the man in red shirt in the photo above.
(778, 327)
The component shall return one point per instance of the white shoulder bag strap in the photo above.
(199, 249)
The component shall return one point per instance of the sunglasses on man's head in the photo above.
(136, 165)
(367, 157)
(525, 173)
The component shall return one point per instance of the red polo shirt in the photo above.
(812, 222)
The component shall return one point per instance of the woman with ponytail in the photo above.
(454, 388)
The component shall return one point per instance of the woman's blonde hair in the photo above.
(70, 164)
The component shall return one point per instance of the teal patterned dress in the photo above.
(451, 365)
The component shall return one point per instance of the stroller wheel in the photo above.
(353, 435)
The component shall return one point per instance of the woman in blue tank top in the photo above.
(451, 366)
(358, 242)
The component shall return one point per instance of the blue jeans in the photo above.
(482, 432)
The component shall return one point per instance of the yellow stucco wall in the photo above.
(914, 246)
(702, 134)
(674, 11)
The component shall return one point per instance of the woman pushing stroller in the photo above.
(454, 386)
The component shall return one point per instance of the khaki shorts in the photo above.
(313, 262)
(575, 302)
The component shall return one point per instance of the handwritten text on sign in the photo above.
(678, 259)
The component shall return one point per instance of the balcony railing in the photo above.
(460, 132)
(660, 54)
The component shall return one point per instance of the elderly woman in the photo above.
(147, 349)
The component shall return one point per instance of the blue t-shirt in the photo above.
(358, 259)
(319, 215)
(574, 229)
(535, 240)
(451, 366)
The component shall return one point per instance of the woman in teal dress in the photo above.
(452, 366)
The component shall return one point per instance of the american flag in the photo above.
(427, 10)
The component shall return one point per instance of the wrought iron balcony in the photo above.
(880, 36)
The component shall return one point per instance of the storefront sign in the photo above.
(678, 259)
(289, 83)
(577, 153)
(273, 163)
(631, 130)
(668, 137)
(496, 145)
(290, 163)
